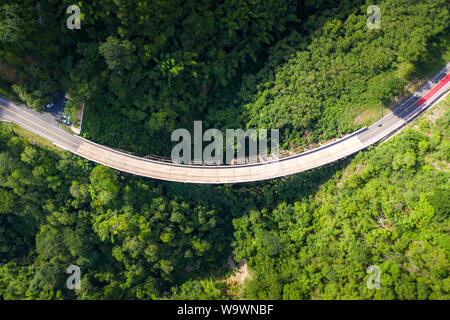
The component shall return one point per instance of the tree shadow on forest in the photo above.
(282, 49)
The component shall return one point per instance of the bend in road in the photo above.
(47, 127)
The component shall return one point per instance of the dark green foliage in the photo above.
(144, 68)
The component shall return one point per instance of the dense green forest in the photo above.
(143, 68)
(389, 207)
(309, 68)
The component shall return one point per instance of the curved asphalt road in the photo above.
(47, 127)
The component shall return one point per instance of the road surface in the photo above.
(47, 127)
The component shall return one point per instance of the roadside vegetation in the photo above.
(32, 138)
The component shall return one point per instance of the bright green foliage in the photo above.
(389, 208)
(200, 290)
